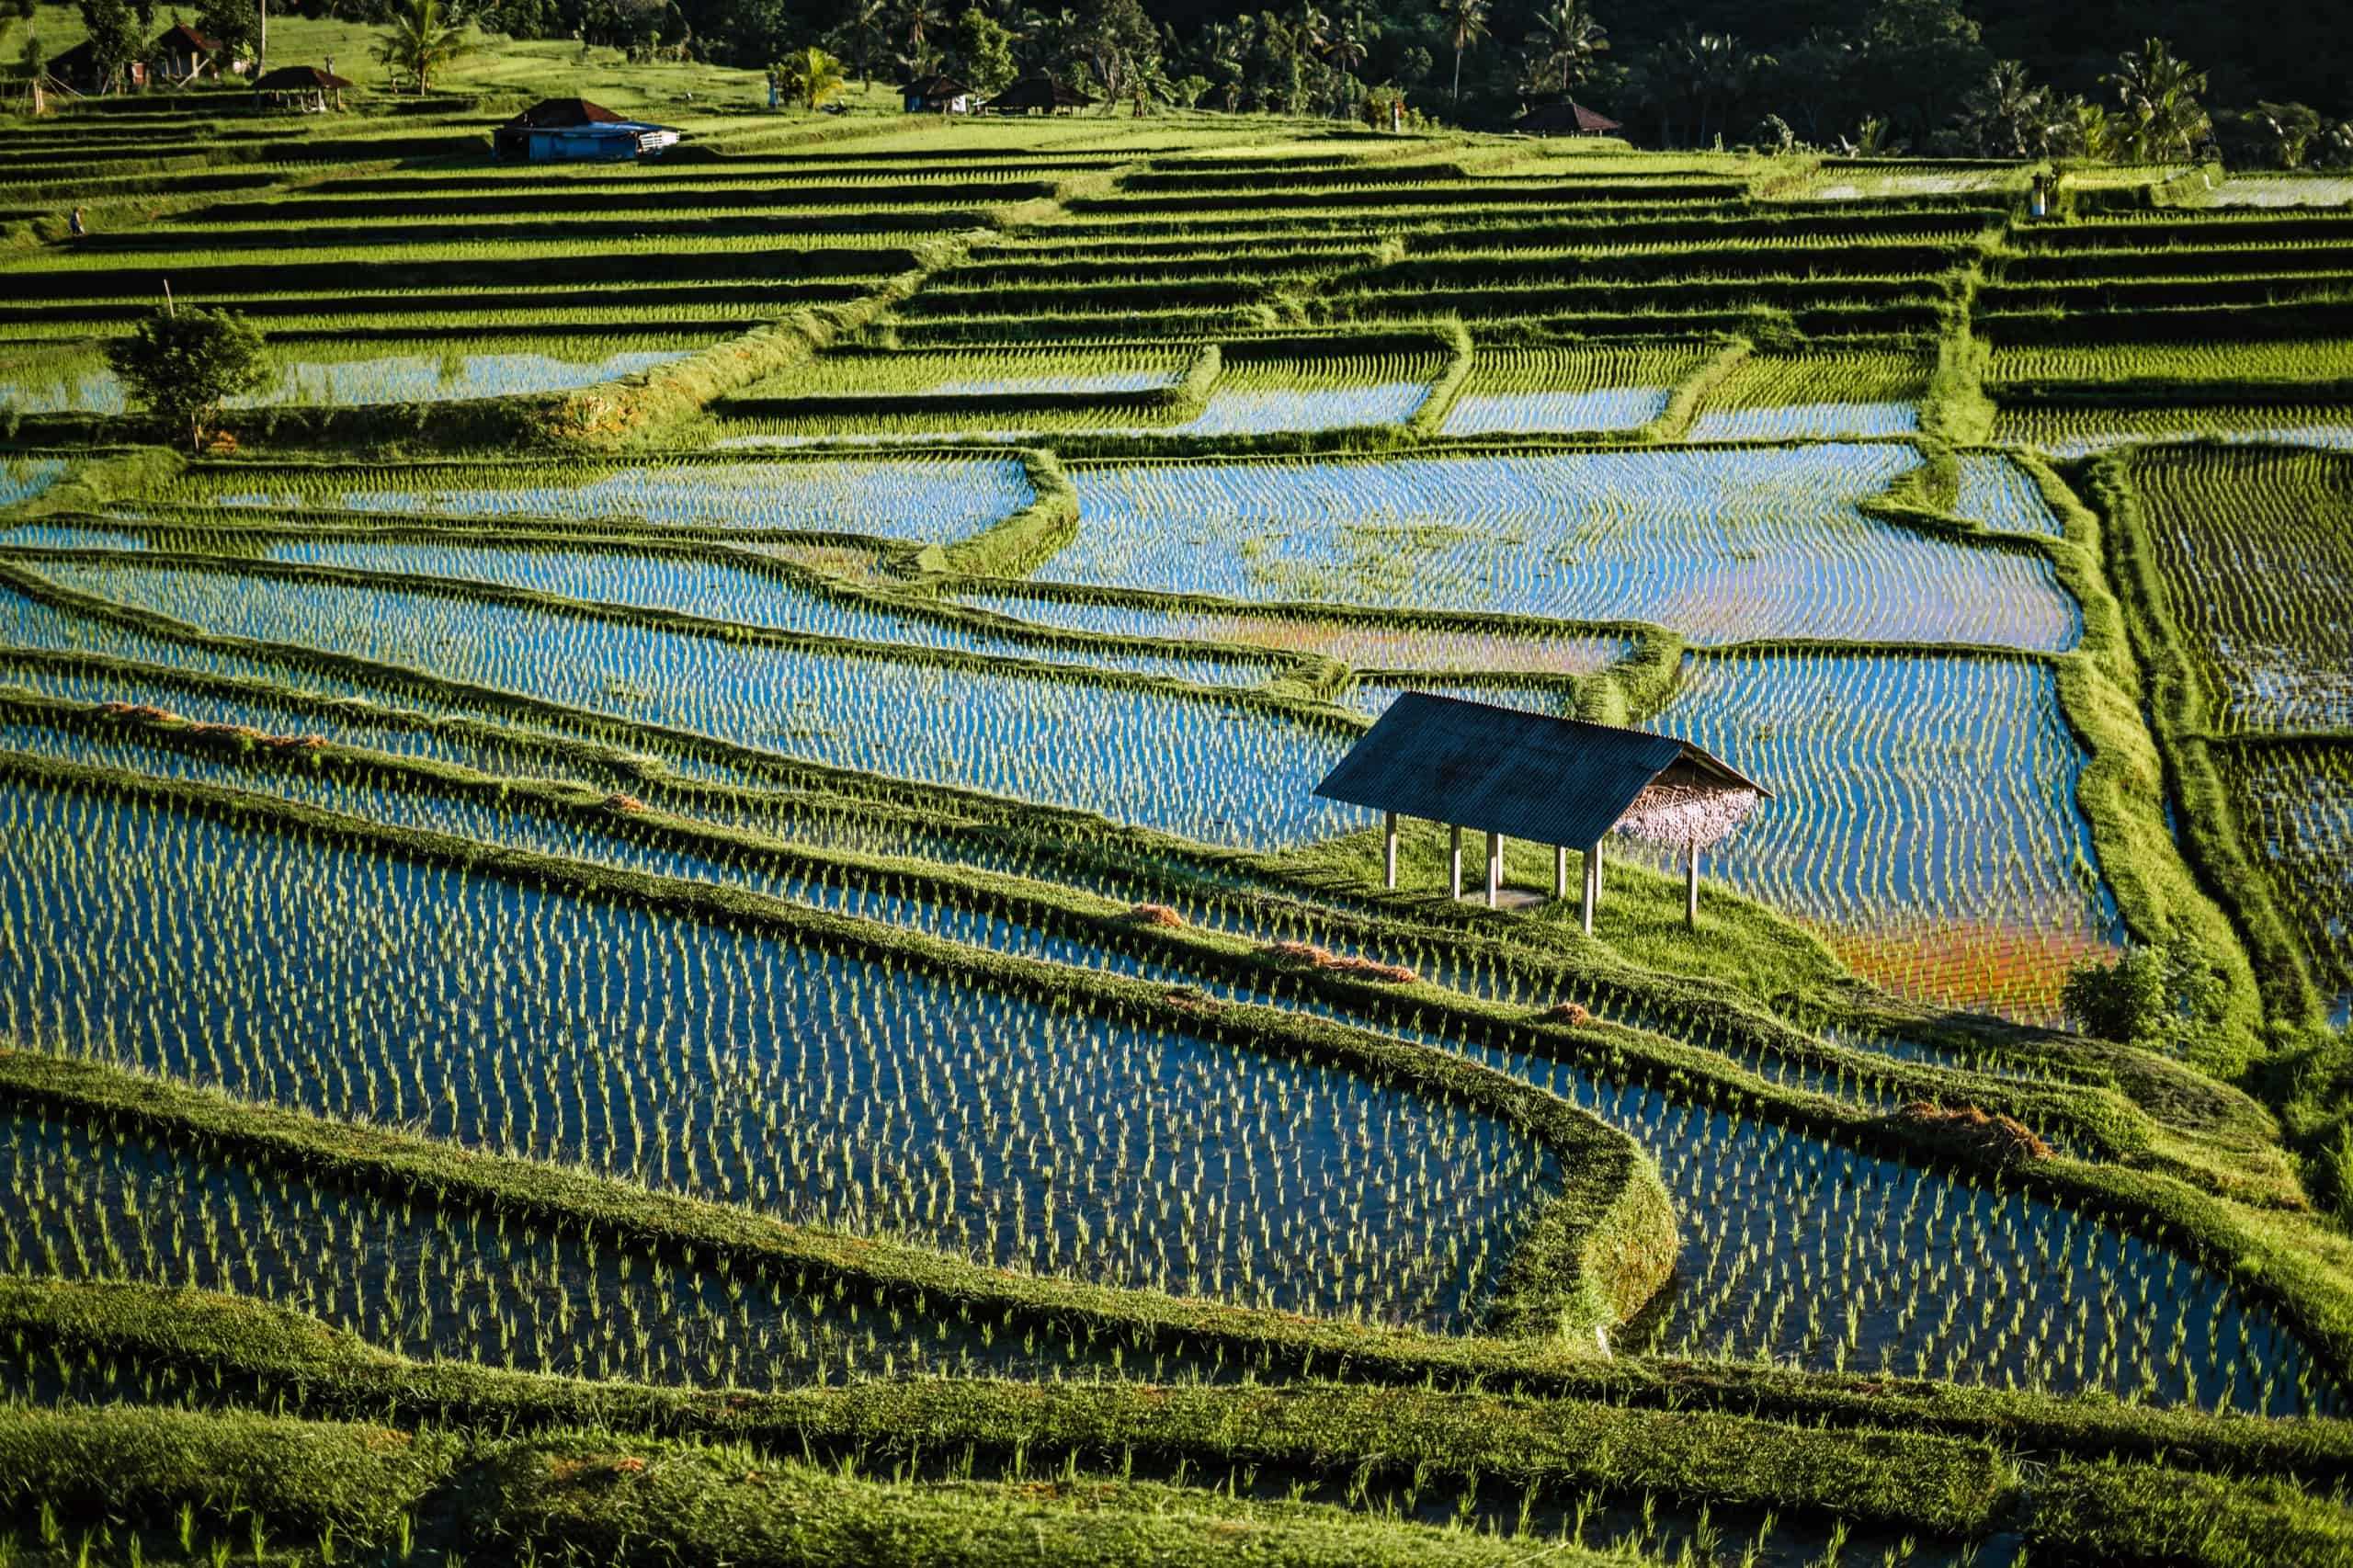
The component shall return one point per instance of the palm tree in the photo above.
(1466, 22)
(2009, 113)
(916, 18)
(1566, 38)
(867, 25)
(2159, 92)
(810, 75)
(420, 40)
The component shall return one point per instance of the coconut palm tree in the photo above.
(2159, 92)
(1566, 40)
(917, 20)
(420, 40)
(811, 75)
(1466, 24)
(2006, 112)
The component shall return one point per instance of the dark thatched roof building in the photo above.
(1565, 119)
(1039, 94)
(937, 95)
(304, 86)
(1559, 782)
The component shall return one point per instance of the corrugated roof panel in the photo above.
(1504, 770)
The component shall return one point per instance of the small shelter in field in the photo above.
(183, 55)
(574, 127)
(314, 88)
(76, 74)
(1559, 782)
(1567, 118)
(937, 95)
(1039, 94)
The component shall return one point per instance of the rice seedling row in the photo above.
(443, 1284)
(1369, 643)
(853, 1094)
(1211, 768)
(1534, 389)
(1997, 493)
(1819, 395)
(1818, 1256)
(909, 498)
(2252, 548)
(1719, 545)
(2328, 360)
(2071, 430)
(1925, 813)
(719, 591)
(2294, 802)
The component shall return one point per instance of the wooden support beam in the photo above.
(1591, 884)
(1388, 850)
(1691, 887)
(1494, 869)
(1559, 872)
(1454, 863)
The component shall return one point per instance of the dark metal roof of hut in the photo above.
(1041, 92)
(550, 114)
(1550, 119)
(299, 79)
(934, 88)
(187, 39)
(1501, 770)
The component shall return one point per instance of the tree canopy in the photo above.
(182, 366)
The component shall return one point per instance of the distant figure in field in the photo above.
(74, 224)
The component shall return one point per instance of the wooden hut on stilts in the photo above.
(1559, 782)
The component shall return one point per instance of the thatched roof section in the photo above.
(934, 88)
(1532, 776)
(1565, 119)
(300, 79)
(181, 38)
(1041, 93)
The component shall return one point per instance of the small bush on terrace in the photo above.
(184, 365)
(2153, 995)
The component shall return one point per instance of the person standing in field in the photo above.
(74, 224)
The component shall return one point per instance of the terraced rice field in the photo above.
(1932, 826)
(838, 951)
(1539, 391)
(2257, 562)
(1719, 546)
(895, 498)
(1773, 397)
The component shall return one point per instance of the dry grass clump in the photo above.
(1158, 915)
(1308, 953)
(2009, 1141)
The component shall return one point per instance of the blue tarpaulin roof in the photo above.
(1504, 770)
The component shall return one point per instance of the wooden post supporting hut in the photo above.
(1559, 782)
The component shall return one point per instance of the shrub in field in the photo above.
(184, 365)
(2151, 994)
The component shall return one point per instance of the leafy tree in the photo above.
(2154, 996)
(420, 39)
(1117, 42)
(983, 52)
(1466, 24)
(809, 74)
(182, 366)
(235, 25)
(117, 37)
(2162, 116)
